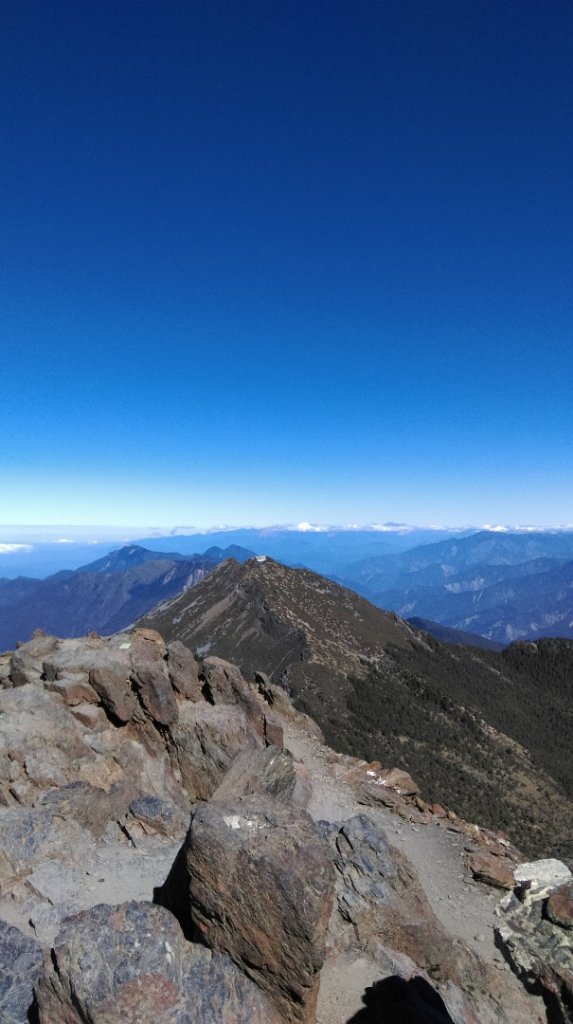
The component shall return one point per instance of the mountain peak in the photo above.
(382, 690)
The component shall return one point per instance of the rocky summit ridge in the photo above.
(178, 844)
(488, 733)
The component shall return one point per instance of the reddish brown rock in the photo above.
(559, 906)
(74, 691)
(151, 635)
(492, 870)
(92, 717)
(273, 730)
(256, 882)
(399, 780)
(219, 676)
(113, 688)
(274, 695)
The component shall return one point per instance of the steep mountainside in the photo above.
(490, 734)
(104, 596)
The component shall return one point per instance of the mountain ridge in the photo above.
(468, 722)
(103, 596)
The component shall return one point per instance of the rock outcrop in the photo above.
(129, 771)
(536, 933)
(131, 963)
(254, 880)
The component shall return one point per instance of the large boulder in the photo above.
(259, 771)
(535, 932)
(110, 681)
(131, 963)
(492, 870)
(379, 894)
(26, 663)
(150, 676)
(206, 739)
(183, 671)
(224, 684)
(254, 880)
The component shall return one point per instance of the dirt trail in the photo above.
(466, 908)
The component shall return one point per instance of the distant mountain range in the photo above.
(499, 585)
(502, 586)
(103, 596)
(322, 549)
(490, 733)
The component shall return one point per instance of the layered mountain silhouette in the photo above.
(502, 586)
(489, 733)
(104, 596)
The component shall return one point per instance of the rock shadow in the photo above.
(395, 1000)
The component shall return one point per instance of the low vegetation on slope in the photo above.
(483, 732)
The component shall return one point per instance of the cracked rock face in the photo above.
(536, 933)
(255, 881)
(131, 963)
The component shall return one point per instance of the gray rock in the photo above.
(183, 671)
(155, 691)
(25, 669)
(379, 895)
(539, 949)
(20, 966)
(91, 806)
(206, 740)
(26, 661)
(156, 816)
(131, 963)
(28, 836)
(114, 690)
(255, 881)
(542, 874)
(72, 657)
(259, 771)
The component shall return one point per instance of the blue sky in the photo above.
(281, 261)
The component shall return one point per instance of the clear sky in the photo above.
(281, 260)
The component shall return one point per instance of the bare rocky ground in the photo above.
(466, 908)
(109, 746)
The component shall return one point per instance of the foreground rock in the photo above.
(536, 933)
(254, 880)
(20, 966)
(108, 746)
(131, 963)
